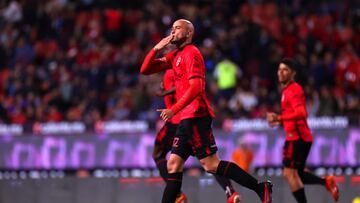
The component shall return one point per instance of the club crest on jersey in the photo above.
(178, 61)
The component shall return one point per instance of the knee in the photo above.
(174, 166)
(290, 174)
(208, 166)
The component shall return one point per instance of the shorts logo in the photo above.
(176, 142)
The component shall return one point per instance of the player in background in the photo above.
(298, 137)
(165, 136)
(194, 135)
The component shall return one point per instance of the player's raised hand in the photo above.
(165, 41)
(165, 114)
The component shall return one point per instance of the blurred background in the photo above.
(76, 115)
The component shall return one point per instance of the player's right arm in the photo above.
(151, 64)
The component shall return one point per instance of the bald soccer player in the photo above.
(194, 135)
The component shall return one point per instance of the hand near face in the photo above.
(165, 41)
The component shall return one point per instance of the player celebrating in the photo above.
(298, 135)
(165, 136)
(194, 135)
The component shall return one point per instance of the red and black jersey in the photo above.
(292, 97)
(188, 63)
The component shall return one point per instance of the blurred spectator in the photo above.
(17, 116)
(243, 156)
(82, 173)
(312, 101)
(54, 115)
(353, 108)
(13, 12)
(226, 73)
(243, 98)
(348, 69)
(24, 53)
(328, 105)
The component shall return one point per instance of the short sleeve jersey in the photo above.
(293, 96)
(188, 63)
(170, 100)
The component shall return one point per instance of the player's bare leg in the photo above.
(175, 167)
(296, 185)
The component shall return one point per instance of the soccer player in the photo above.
(194, 135)
(298, 135)
(165, 136)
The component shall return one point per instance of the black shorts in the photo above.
(295, 154)
(165, 137)
(194, 137)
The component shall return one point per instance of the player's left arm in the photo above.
(195, 69)
(196, 85)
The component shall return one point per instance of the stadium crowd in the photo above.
(79, 60)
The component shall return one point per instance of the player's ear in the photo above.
(189, 33)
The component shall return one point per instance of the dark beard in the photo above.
(285, 83)
(178, 42)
